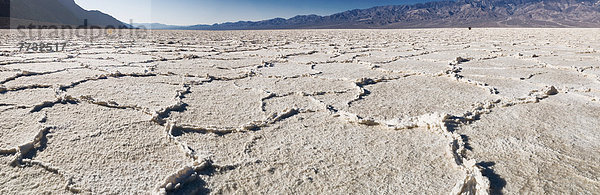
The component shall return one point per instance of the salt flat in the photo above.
(434, 111)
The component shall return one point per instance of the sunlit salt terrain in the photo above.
(436, 111)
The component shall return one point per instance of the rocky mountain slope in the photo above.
(58, 12)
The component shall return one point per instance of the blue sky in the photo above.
(189, 12)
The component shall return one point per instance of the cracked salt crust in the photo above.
(63, 78)
(414, 65)
(27, 97)
(29, 180)
(350, 71)
(125, 57)
(310, 57)
(18, 126)
(566, 80)
(278, 103)
(96, 62)
(8, 73)
(198, 69)
(229, 64)
(367, 111)
(152, 93)
(217, 104)
(415, 96)
(303, 84)
(43, 67)
(282, 70)
(385, 55)
(537, 148)
(508, 88)
(118, 150)
(279, 160)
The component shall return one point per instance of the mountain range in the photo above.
(54, 12)
(460, 13)
(157, 26)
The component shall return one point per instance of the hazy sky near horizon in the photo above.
(190, 12)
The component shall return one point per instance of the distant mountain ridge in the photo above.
(57, 12)
(156, 26)
(461, 13)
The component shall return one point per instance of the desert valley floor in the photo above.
(434, 111)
